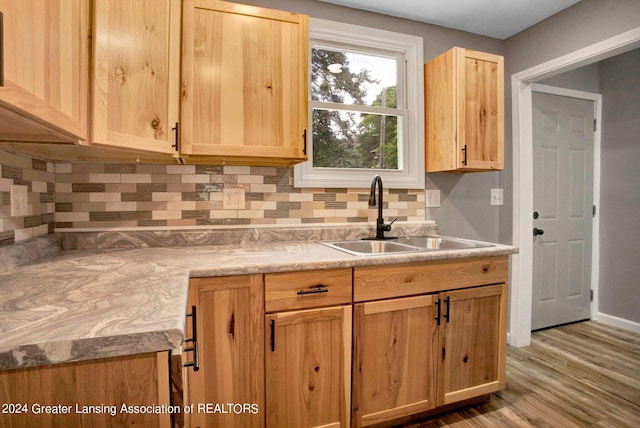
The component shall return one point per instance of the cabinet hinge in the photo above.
(591, 295)
(594, 211)
(595, 126)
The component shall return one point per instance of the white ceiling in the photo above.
(500, 19)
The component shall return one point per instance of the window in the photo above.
(366, 108)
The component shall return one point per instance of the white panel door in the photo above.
(563, 139)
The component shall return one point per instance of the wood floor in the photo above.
(578, 375)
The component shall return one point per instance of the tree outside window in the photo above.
(344, 87)
(366, 108)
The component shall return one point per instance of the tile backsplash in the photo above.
(39, 177)
(135, 196)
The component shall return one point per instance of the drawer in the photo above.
(383, 282)
(307, 289)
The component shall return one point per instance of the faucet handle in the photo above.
(387, 227)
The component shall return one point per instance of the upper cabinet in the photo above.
(464, 105)
(244, 83)
(45, 66)
(234, 92)
(136, 74)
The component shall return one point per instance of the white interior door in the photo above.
(563, 138)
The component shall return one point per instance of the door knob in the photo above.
(537, 231)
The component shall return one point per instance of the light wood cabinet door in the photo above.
(464, 104)
(394, 370)
(88, 393)
(46, 70)
(136, 74)
(244, 83)
(308, 358)
(473, 348)
(230, 344)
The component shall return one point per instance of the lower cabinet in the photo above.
(121, 391)
(226, 386)
(419, 353)
(327, 348)
(308, 349)
(345, 347)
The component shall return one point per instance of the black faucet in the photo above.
(381, 227)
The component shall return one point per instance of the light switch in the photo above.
(19, 200)
(497, 197)
(432, 198)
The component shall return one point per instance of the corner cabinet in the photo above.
(136, 74)
(464, 107)
(44, 97)
(244, 84)
(229, 352)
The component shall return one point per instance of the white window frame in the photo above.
(410, 174)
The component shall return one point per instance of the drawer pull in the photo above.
(317, 290)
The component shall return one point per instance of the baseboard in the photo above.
(617, 322)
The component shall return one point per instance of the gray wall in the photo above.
(436, 39)
(465, 210)
(620, 187)
(581, 25)
(585, 79)
(576, 27)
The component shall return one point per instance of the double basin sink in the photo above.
(403, 244)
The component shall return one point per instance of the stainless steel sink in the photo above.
(364, 248)
(404, 244)
(440, 243)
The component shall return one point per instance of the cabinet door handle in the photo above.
(437, 318)
(317, 290)
(273, 335)
(446, 314)
(194, 340)
(464, 159)
(304, 147)
(176, 144)
(196, 359)
(1, 49)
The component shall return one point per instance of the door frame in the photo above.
(595, 225)
(522, 111)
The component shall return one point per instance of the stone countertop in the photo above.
(88, 304)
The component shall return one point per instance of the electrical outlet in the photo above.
(497, 197)
(233, 198)
(19, 200)
(432, 198)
